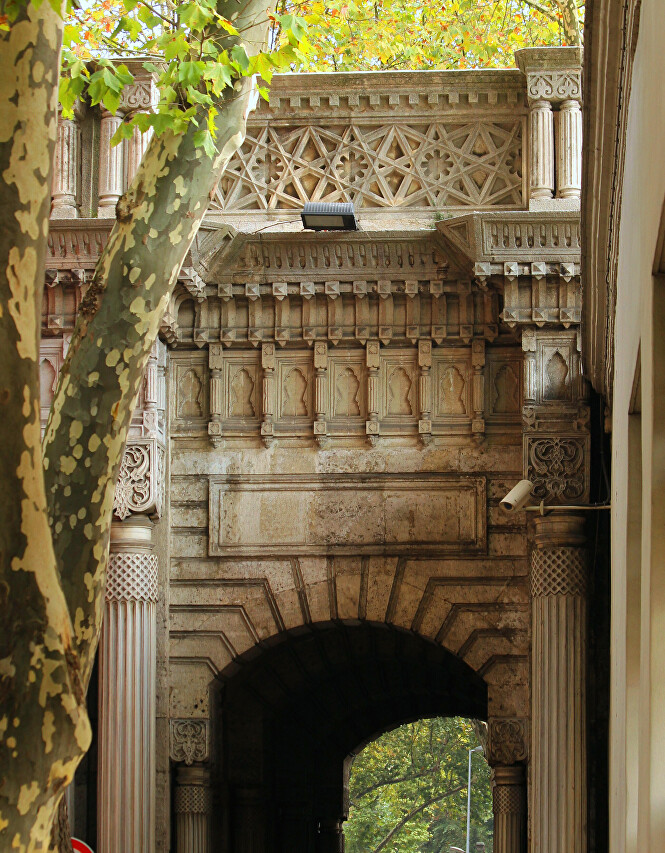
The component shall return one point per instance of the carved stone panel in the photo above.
(558, 467)
(241, 393)
(347, 392)
(189, 392)
(295, 397)
(503, 389)
(398, 379)
(341, 513)
(452, 388)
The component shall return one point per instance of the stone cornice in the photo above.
(546, 236)
(388, 93)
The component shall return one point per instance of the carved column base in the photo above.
(192, 810)
(509, 799)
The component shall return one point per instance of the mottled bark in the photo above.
(570, 22)
(156, 221)
(44, 729)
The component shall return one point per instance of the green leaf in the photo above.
(195, 16)
(111, 100)
(124, 131)
(190, 72)
(219, 75)
(203, 138)
(239, 55)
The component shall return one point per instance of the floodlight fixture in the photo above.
(329, 216)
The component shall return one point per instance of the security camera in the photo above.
(517, 497)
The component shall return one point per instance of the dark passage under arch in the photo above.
(290, 713)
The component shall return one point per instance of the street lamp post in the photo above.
(468, 800)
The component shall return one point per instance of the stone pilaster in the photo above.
(509, 805)
(373, 361)
(569, 150)
(320, 391)
(425, 391)
(215, 363)
(126, 773)
(558, 766)
(268, 365)
(192, 809)
(66, 166)
(111, 165)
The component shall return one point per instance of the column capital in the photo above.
(507, 741)
(190, 741)
(552, 74)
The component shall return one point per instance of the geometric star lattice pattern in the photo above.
(435, 165)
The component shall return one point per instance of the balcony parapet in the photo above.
(404, 146)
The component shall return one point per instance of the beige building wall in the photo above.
(637, 734)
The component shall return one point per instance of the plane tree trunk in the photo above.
(44, 728)
(55, 511)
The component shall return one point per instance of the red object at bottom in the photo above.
(81, 846)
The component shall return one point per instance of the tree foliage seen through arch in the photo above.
(408, 790)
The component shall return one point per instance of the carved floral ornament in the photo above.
(556, 466)
(190, 740)
(140, 483)
(507, 741)
(555, 85)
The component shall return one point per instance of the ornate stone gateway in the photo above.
(309, 547)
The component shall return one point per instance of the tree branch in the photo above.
(378, 785)
(413, 813)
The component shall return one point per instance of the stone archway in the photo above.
(291, 713)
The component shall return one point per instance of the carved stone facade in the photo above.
(326, 428)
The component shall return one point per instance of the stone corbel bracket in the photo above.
(140, 486)
(190, 740)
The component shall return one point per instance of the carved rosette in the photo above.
(190, 740)
(140, 485)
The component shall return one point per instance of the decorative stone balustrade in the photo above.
(396, 143)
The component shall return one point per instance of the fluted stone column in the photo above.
(192, 809)
(509, 804)
(569, 150)
(66, 166)
(111, 166)
(126, 772)
(541, 122)
(558, 760)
